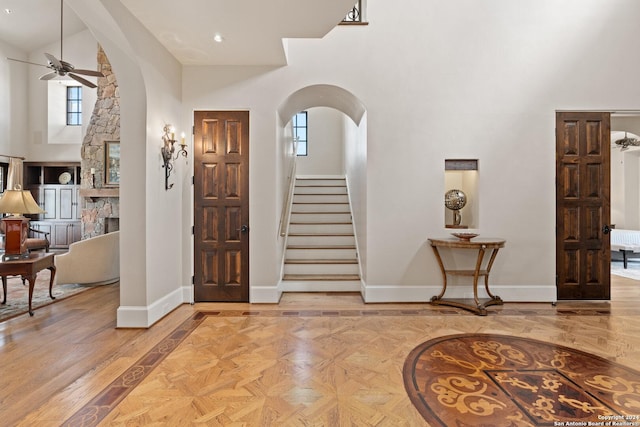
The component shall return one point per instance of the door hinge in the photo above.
(193, 130)
(193, 280)
(193, 180)
(193, 229)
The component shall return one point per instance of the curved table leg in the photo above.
(444, 275)
(32, 281)
(52, 269)
(486, 278)
(476, 274)
(4, 289)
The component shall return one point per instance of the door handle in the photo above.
(244, 228)
(606, 229)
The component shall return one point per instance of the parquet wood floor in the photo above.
(314, 359)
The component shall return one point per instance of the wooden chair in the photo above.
(37, 243)
(32, 242)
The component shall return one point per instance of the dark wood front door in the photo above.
(583, 205)
(221, 205)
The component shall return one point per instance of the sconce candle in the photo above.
(168, 150)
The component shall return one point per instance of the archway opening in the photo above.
(337, 139)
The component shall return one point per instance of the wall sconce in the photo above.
(168, 150)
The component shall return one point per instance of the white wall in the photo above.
(625, 188)
(461, 79)
(153, 226)
(81, 51)
(256, 89)
(625, 174)
(13, 102)
(355, 158)
(325, 145)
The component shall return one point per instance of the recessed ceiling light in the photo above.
(218, 38)
(8, 11)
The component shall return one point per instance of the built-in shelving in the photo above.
(55, 187)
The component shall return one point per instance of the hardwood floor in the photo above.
(313, 359)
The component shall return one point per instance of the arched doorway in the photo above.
(343, 119)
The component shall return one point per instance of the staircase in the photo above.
(321, 247)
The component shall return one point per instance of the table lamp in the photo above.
(17, 202)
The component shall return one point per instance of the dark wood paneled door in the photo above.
(583, 152)
(221, 206)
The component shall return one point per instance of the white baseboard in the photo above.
(188, 294)
(146, 316)
(376, 294)
(264, 294)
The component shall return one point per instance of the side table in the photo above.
(28, 268)
(482, 246)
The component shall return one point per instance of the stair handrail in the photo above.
(286, 208)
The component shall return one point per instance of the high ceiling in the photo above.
(35, 23)
(252, 30)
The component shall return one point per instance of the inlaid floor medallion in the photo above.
(482, 379)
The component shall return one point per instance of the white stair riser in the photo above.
(320, 190)
(321, 253)
(321, 217)
(321, 269)
(318, 207)
(321, 286)
(320, 228)
(327, 222)
(321, 240)
(327, 182)
(314, 198)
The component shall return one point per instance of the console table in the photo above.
(482, 246)
(28, 268)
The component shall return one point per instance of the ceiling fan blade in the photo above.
(54, 61)
(81, 80)
(88, 72)
(49, 76)
(27, 62)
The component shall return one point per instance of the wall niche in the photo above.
(461, 175)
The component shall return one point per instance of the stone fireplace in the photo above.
(100, 202)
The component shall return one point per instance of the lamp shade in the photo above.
(19, 202)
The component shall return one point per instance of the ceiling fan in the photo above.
(626, 142)
(62, 68)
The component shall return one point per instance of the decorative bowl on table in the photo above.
(465, 236)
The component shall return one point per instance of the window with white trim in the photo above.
(300, 132)
(74, 105)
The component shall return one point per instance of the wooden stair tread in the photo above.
(321, 247)
(321, 186)
(323, 223)
(319, 277)
(320, 203)
(321, 261)
(321, 212)
(321, 234)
